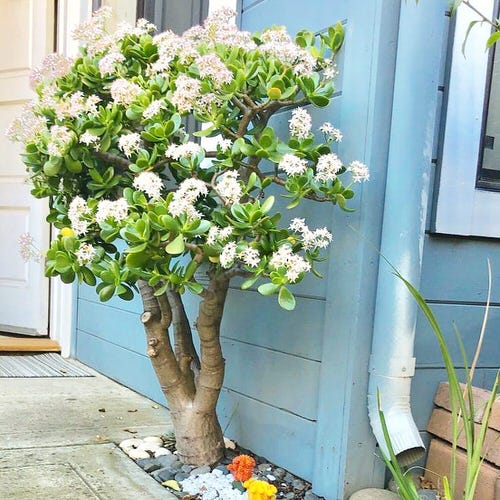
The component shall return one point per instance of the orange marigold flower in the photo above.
(242, 467)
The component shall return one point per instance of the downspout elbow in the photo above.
(392, 385)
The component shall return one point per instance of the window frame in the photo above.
(461, 207)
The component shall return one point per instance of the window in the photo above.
(488, 175)
(468, 190)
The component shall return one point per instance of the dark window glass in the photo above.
(488, 175)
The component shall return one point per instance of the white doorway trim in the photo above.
(63, 296)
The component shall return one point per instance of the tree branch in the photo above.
(481, 15)
(184, 349)
(156, 318)
(196, 250)
(115, 160)
(208, 325)
(236, 271)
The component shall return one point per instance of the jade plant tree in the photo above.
(143, 208)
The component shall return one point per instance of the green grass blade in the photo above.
(406, 487)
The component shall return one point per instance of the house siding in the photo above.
(455, 283)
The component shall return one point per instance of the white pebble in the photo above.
(162, 451)
(270, 477)
(229, 444)
(135, 454)
(212, 486)
(148, 447)
(154, 440)
(130, 443)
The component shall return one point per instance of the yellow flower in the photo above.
(67, 231)
(260, 490)
(274, 93)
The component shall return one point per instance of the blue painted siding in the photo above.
(454, 282)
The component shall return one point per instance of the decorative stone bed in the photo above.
(157, 456)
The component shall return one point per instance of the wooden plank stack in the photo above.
(440, 450)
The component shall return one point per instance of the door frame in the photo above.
(62, 312)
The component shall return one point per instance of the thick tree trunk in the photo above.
(198, 435)
(191, 385)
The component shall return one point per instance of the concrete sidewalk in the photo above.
(58, 439)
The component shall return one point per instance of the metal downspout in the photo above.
(392, 364)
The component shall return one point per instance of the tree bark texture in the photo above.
(191, 382)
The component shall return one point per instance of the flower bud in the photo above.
(67, 231)
(274, 93)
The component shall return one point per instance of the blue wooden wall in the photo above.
(296, 382)
(455, 283)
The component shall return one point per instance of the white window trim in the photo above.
(461, 208)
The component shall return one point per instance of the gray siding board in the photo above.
(278, 379)
(468, 319)
(297, 332)
(455, 269)
(113, 325)
(119, 363)
(269, 431)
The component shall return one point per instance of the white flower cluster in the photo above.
(292, 164)
(331, 133)
(206, 102)
(278, 43)
(107, 65)
(294, 264)
(229, 188)
(218, 234)
(228, 255)
(328, 167)
(90, 139)
(184, 198)
(70, 106)
(319, 238)
(142, 27)
(78, 211)
(168, 44)
(220, 28)
(330, 71)
(93, 34)
(186, 92)
(149, 183)
(85, 253)
(249, 256)
(300, 123)
(186, 150)
(53, 66)
(26, 127)
(27, 248)
(211, 66)
(224, 144)
(153, 109)
(107, 209)
(61, 139)
(359, 171)
(129, 143)
(124, 92)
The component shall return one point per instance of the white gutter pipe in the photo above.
(392, 364)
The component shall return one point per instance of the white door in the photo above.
(26, 36)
